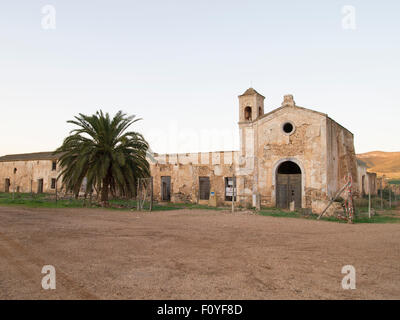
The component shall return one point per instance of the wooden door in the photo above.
(40, 186)
(7, 186)
(166, 188)
(204, 188)
(288, 189)
(295, 190)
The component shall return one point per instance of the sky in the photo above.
(180, 66)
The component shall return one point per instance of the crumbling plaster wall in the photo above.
(305, 146)
(362, 179)
(185, 170)
(27, 172)
(341, 158)
(323, 150)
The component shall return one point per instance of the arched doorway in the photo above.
(288, 185)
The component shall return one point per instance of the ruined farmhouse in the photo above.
(26, 173)
(288, 156)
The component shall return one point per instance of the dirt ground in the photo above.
(196, 254)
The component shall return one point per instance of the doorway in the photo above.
(7, 186)
(204, 188)
(288, 185)
(166, 188)
(40, 186)
(363, 185)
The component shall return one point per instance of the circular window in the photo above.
(288, 127)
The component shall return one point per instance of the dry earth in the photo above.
(196, 254)
(382, 163)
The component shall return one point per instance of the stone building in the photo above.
(367, 180)
(288, 156)
(25, 173)
(396, 189)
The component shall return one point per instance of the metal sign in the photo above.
(230, 192)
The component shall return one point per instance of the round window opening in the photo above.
(288, 127)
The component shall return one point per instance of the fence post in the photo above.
(233, 192)
(151, 193)
(15, 172)
(56, 191)
(369, 199)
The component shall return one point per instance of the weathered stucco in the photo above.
(185, 170)
(367, 180)
(341, 157)
(27, 176)
(305, 147)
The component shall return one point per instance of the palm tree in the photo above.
(103, 151)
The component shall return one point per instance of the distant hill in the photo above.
(383, 163)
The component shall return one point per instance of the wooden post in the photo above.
(137, 195)
(56, 191)
(382, 193)
(390, 197)
(151, 193)
(332, 200)
(144, 195)
(369, 198)
(233, 192)
(15, 172)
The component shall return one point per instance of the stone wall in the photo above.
(28, 173)
(341, 158)
(305, 146)
(366, 180)
(185, 170)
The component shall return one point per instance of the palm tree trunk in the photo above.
(104, 192)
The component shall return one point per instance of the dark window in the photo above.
(230, 188)
(288, 127)
(204, 188)
(54, 166)
(53, 183)
(259, 111)
(247, 113)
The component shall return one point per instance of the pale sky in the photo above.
(180, 66)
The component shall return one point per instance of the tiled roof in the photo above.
(250, 91)
(29, 156)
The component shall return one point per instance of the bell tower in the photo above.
(251, 108)
(251, 105)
